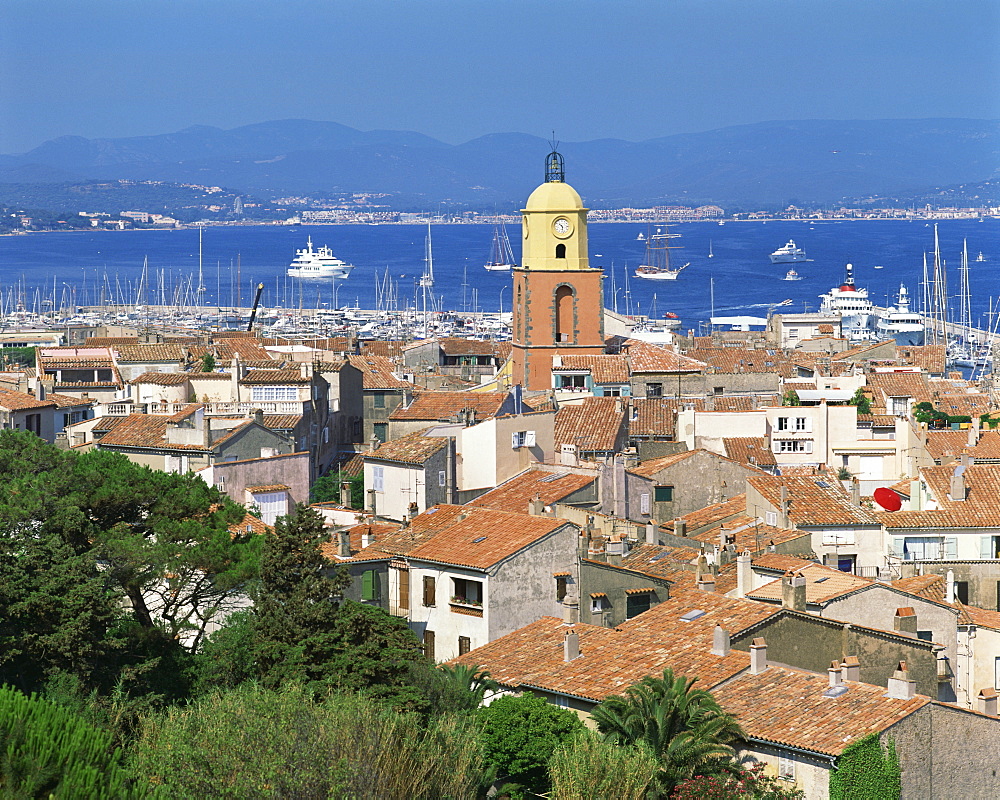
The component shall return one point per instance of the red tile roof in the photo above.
(22, 401)
(750, 450)
(549, 487)
(442, 406)
(414, 448)
(162, 378)
(603, 369)
(815, 501)
(274, 376)
(596, 424)
(651, 358)
(653, 417)
(377, 372)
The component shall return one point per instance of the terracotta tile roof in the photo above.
(274, 376)
(732, 360)
(900, 384)
(603, 369)
(21, 401)
(750, 450)
(612, 659)
(250, 525)
(645, 357)
(788, 707)
(270, 487)
(414, 448)
(331, 549)
(185, 412)
(712, 515)
(248, 349)
(930, 587)
(454, 346)
(822, 584)
(972, 404)
(857, 351)
(65, 401)
(174, 353)
(653, 416)
(647, 469)
(377, 372)
(596, 424)
(355, 465)
(811, 503)
(162, 378)
(379, 347)
(142, 430)
(736, 402)
(442, 406)
(982, 486)
(107, 341)
(798, 386)
(983, 617)
(549, 487)
(930, 358)
(660, 560)
(465, 536)
(780, 563)
(283, 422)
(209, 376)
(751, 534)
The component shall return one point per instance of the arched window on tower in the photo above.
(560, 251)
(565, 302)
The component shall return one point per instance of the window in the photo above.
(801, 424)
(430, 591)
(644, 503)
(271, 504)
(920, 548)
(654, 390)
(599, 604)
(572, 381)
(380, 430)
(561, 582)
(466, 591)
(782, 423)
(370, 585)
(429, 644)
(560, 251)
(404, 589)
(442, 478)
(522, 439)
(273, 393)
(771, 518)
(663, 494)
(927, 636)
(786, 768)
(464, 645)
(962, 592)
(379, 399)
(378, 478)
(635, 604)
(33, 423)
(612, 391)
(793, 446)
(176, 464)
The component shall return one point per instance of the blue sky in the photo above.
(458, 69)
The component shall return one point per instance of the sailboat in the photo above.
(501, 253)
(980, 256)
(710, 253)
(427, 279)
(657, 262)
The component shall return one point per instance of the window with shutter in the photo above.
(951, 547)
(529, 438)
(430, 591)
(429, 644)
(442, 478)
(663, 494)
(370, 585)
(644, 503)
(378, 478)
(464, 645)
(404, 589)
(986, 547)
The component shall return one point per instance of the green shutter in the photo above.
(368, 585)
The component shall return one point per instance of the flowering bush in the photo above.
(753, 784)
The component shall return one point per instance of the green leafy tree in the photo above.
(451, 688)
(684, 728)
(47, 751)
(860, 399)
(866, 771)
(208, 362)
(791, 398)
(326, 489)
(260, 743)
(586, 766)
(520, 735)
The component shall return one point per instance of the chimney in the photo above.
(680, 527)
(536, 507)
(345, 494)
(744, 574)
(784, 506)
(988, 701)
(758, 656)
(905, 621)
(836, 674)
(793, 591)
(900, 685)
(852, 668)
(720, 641)
(583, 542)
(706, 582)
(652, 537)
(974, 432)
(958, 483)
(700, 566)
(615, 550)
(571, 606)
(856, 491)
(413, 510)
(571, 645)
(949, 587)
(344, 544)
(368, 537)
(258, 416)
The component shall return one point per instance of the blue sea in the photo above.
(85, 267)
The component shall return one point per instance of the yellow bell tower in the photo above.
(558, 298)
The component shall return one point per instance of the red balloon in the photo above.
(888, 499)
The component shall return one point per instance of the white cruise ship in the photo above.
(318, 263)
(851, 304)
(789, 254)
(901, 324)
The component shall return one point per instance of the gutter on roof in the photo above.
(801, 750)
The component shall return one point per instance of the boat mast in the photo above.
(427, 279)
(201, 281)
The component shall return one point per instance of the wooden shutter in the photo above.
(404, 589)
(464, 645)
(368, 585)
(429, 643)
(429, 590)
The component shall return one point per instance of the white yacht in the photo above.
(851, 304)
(792, 275)
(318, 263)
(901, 324)
(789, 254)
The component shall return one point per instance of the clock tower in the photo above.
(558, 299)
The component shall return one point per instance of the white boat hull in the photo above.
(318, 273)
(657, 276)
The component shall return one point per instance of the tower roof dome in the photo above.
(554, 196)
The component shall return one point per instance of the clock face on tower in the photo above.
(562, 227)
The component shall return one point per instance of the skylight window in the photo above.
(553, 477)
(480, 539)
(824, 578)
(822, 484)
(691, 616)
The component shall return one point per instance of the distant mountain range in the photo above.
(751, 166)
